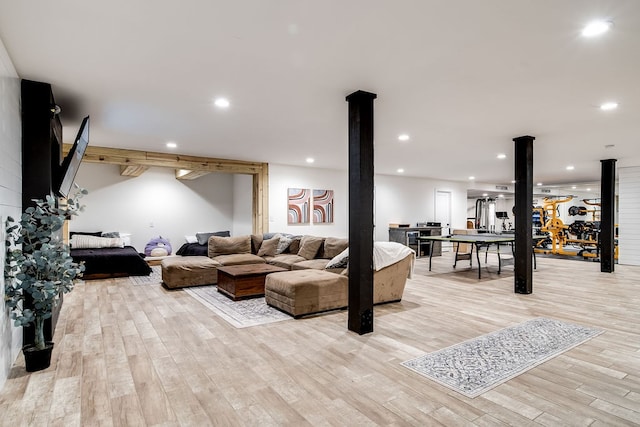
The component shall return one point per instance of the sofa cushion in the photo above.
(309, 246)
(313, 264)
(269, 247)
(306, 291)
(285, 260)
(334, 246)
(179, 272)
(239, 259)
(229, 245)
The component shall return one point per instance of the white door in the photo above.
(443, 215)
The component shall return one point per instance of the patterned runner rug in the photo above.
(241, 314)
(478, 365)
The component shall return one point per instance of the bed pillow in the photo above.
(81, 241)
(229, 245)
(269, 247)
(203, 238)
(339, 261)
(86, 233)
(309, 246)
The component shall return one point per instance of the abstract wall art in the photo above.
(322, 206)
(299, 205)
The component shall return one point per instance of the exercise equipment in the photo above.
(585, 242)
(485, 214)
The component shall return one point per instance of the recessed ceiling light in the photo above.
(573, 187)
(310, 160)
(588, 189)
(513, 181)
(403, 137)
(500, 195)
(171, 144)
(400, 170)
(539, 184)
(472, 178)
(485, 194)
(501, 156)
(221, 103)
(596, 28)
(570, 168)
(608, 106)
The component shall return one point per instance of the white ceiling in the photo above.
(461, 77)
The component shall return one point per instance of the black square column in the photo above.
(607, 215)
(523, 263)
(361, 212)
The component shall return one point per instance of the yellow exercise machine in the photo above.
(559, 232)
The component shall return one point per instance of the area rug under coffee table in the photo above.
(477, 365)
(241, 314)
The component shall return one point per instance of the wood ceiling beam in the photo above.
(188, 175)
(132, 170)
(119, 156)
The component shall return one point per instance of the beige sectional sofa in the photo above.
(286, 251)
(317, 279)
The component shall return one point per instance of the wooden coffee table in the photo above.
(244, 281)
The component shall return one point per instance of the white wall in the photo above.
(155, 203)
(10, 193)
(397, 199)
(412, 200)
(242, 205)
(283, 177)
(629, 218)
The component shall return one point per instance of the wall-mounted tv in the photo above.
(71, 163)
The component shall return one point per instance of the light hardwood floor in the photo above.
(142, 355)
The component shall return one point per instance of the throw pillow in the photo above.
(294, 246)
(269, 247)
(339, 261)
(333, 246)
(190, 238)
(203, 238)
(309, 246)
(285, 241)
(229, 245)
(256, 242)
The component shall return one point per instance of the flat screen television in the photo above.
(71, 163)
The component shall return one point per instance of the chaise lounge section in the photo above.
(310, 291)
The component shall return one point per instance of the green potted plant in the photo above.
(38, 269)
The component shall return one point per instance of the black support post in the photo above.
(523, 272)
(361, 212)
(607, 215)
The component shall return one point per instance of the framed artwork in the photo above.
(322, 206)
(299, 205)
